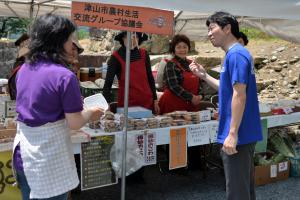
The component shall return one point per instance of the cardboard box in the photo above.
(272, 173)
(7, 135)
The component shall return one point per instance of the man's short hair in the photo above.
(222, 19)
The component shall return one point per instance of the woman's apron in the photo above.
(48, 159)
(169, 102)
(140, 93)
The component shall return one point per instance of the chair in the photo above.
(215, 100)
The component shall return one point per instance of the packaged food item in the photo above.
(94, 125)
(177, 114)
(139, 124)
(178, 122)
(109, 125)
(165, 121)
(108, 115)
(152, 123)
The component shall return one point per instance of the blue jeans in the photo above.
(25, 189)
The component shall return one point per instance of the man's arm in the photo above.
(237, 110)
(199, 71)
(211, 81)
(237, 106)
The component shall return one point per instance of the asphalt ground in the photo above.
(185, 184)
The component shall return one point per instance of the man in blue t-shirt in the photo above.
(239, 119)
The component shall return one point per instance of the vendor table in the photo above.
(163, 134)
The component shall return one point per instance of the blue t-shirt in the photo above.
(238, 68)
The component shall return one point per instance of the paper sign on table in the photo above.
(150, 150)
(198, 135)
(178, 148)
(213, 133)
(146, 142)
(96, 166)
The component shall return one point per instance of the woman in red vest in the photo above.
(142, 90)
(181, 86)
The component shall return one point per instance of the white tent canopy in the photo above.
(275, 17)
(278, 9)
(33, 8)
(193, 25)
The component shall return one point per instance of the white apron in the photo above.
(48, 159)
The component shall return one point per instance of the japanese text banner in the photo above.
(130, 18)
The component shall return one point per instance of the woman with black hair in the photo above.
(142, 91)
(48, 104)
(181, 86)
(22, 44)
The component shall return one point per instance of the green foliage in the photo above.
(82, 34)
(253, 33)
(13, 25)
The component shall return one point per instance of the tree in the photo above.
(13, 25)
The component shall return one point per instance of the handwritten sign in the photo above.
(198, 135)
(146, 142)
(178, 148)
(130, 18)
(140, 140)
(150, 150)
(7, 191)
(96, 166)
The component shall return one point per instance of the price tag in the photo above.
(205, 115)
(273, 171)
(283, 166)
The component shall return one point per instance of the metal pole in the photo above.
(128, 47)
(31, 10)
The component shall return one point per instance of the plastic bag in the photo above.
(134, 160)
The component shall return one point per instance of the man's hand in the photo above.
(229, 146)
(198, 70)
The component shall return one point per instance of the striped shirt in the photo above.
(173, 78)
